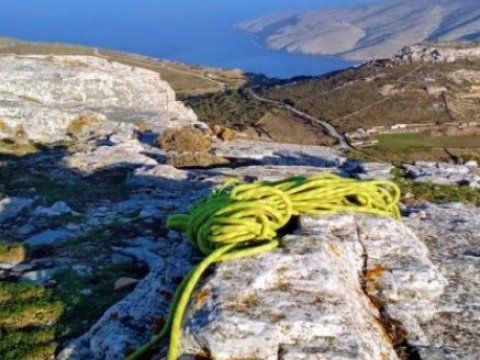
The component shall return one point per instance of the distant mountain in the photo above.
(368, 31)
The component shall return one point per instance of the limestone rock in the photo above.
(39, 276)
(269, 153)
(332, 289)
(445, 174)
(57, 209)
(48, 237)
(12, 206)
(125, 155)
(129, 322)
(164, 176)
(310, 297)
(368, 171)
(43, 95)
(124, 283)
(450, 232)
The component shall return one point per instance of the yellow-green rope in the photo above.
(238, 221)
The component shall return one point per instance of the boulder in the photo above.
(334, 289)
(46, 98)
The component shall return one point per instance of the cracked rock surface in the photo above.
(340, 287)
(333, 291)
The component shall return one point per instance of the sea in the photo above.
(197, 32)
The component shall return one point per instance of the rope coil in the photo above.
(242, 220)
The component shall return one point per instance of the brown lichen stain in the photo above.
(202, 298)
(383, 332)
(384, 356)
(333, 249)
(396, 329)
(78, 125)
(376, 272)
(3, 126)
(202, 356)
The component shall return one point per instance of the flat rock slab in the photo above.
(269, 153)
(327, 294)
(452, 235)
(48, 237)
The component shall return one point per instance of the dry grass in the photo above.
(185, 139)
(4, 127)
(354, 98)
(13, 252)
(77, 127)
(283, 127)
(193, 160)
(142, 126)
(20, 315)
(224, 133)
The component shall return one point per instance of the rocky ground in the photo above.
(96, 155)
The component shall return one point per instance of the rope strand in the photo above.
(238, 221)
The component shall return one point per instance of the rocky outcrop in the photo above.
(445, 174)
(447, 52)
(46, 98)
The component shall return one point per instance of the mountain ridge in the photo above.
(364, 32)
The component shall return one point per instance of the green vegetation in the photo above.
(416, 193)
(412, 142)
(383, 94)
(28, 314)
(16, 180)
(236, 109)
(403, 148)
(99, 239)
(84, 308)
(11, 252)
(34, 321)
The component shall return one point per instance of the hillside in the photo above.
(368, 31)
(96, 155)
(430, 90)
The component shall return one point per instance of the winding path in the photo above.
(331, 130)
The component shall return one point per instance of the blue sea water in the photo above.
(191, 31)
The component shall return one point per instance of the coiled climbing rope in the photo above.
(241, 220)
